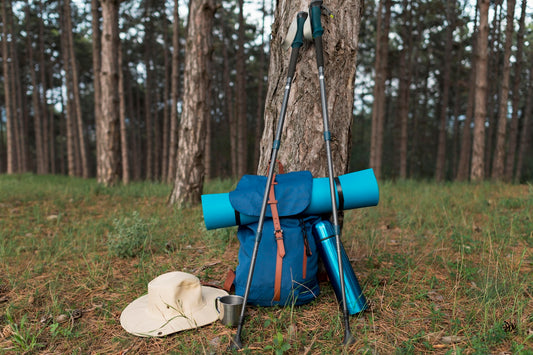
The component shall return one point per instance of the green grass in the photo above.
(436, 262)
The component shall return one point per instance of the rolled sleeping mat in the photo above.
(354, 190)
(327, 248)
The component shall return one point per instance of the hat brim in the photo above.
(137, 319)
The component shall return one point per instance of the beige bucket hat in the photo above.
(175, 301)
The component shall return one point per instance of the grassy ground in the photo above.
(446, 268)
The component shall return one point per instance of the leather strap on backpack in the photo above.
(278, 234)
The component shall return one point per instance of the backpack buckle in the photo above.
(280, 233)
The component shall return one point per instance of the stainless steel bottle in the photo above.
(325, 240)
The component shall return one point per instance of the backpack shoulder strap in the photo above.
(278, 234)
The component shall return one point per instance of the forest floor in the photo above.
(446, 268)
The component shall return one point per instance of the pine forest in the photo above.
(443, 89)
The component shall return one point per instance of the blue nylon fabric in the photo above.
(293, 193)
(294, 288)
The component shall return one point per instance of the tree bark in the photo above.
(240, 88)
(228, 106)
(165, 130)
(513, 131)
(302, 143)
(440, 170)
(69, 114)
(499, 154)
(192, 133)
(174, 94)
(149, 121)
(97, 67)
(524, 134)
(11, 148)
(122, 114)
(36, 104)
(378, 106)
(110, 100)
(478, 147)
(260, 98)
(45, 126)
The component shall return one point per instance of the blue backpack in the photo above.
(285, 272)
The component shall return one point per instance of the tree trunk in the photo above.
(524, 134)
(191, 145)
(406, 64)
(149, 128)
(228, 105)
(513, 131)
(478, 147)
(174, 94)
(18, 104)
(82, 141)
(110, 100)
(494, 76)
(45, 126)
(302, 144)
(499, 154)
(260, 98)
(166, 115)
(36, 104)
(440, 170)
(122, 115)
(69, 115)
(11, 149)
(240, 88)
(378, 106)
(97, 66)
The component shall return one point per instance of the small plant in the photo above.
(280, 345)
(129, 237)
(22, 337)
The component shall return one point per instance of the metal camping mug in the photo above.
(230, 312)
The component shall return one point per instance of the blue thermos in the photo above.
(327, 248)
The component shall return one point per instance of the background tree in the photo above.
(110, 100)
(499, 154)
(478, 150)
(191, 142)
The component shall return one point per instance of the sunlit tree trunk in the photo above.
(110, 100)
(478, 146)
(191, 144)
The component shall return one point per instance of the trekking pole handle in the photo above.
(298, 41)
(315, 11)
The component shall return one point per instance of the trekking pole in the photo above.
(315, 10)
(296, 44)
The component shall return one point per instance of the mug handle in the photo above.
(216, 304)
